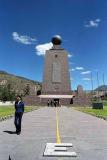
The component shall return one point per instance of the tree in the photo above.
(6, 94)
(27, 90)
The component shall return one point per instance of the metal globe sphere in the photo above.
(56, 40)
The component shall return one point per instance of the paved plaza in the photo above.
(88, 135)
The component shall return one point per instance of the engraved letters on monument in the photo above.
(56, 72)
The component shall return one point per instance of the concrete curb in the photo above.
(101, 117)
(10, 116)
(98, 116)
(6, 117)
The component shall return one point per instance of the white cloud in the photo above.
(98, 20)
(86, 79)
(86, 72)
(41, 49)
(76, 68)
(79, 68)
(93, 23)
(69, 55)
(23, 39)
(73, 69)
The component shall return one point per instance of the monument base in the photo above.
(62, 99)
(42, 100)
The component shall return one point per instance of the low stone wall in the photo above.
(32, 100)
(83, 99)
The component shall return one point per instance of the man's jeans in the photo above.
(17, 121)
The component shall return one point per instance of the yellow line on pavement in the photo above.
(58, 139)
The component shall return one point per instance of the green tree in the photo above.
(27, 90)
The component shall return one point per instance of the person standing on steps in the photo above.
(48, 103)
(19, 110)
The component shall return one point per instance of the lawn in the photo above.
(9, 110)
(102, 113)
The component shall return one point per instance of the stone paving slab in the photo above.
(88, 135)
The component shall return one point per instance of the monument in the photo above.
(56, 85)
(80, 90)
(56, 77)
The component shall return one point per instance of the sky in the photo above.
(27, 27)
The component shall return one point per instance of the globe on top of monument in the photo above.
(56, 40)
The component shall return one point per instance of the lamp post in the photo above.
(103, 79)
(98, 83)
(104, 84)
(91, 86)
(98, 104)
(92, 83)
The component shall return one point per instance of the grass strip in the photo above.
(9, 110)
(101, 113)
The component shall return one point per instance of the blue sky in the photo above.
(26, 29)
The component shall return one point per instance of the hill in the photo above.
(19, 85)
(101, 88)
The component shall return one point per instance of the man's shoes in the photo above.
(18, 132)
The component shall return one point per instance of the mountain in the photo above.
(18, 84)
(101, 88)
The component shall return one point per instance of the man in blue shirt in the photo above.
(19, 110)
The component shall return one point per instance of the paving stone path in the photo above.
(87, 133)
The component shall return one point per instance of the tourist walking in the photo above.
(51, 103)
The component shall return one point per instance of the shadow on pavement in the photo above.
(10, 132)
(9, 158)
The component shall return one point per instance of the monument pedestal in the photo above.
(62, 99)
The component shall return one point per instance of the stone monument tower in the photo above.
(56, 77)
